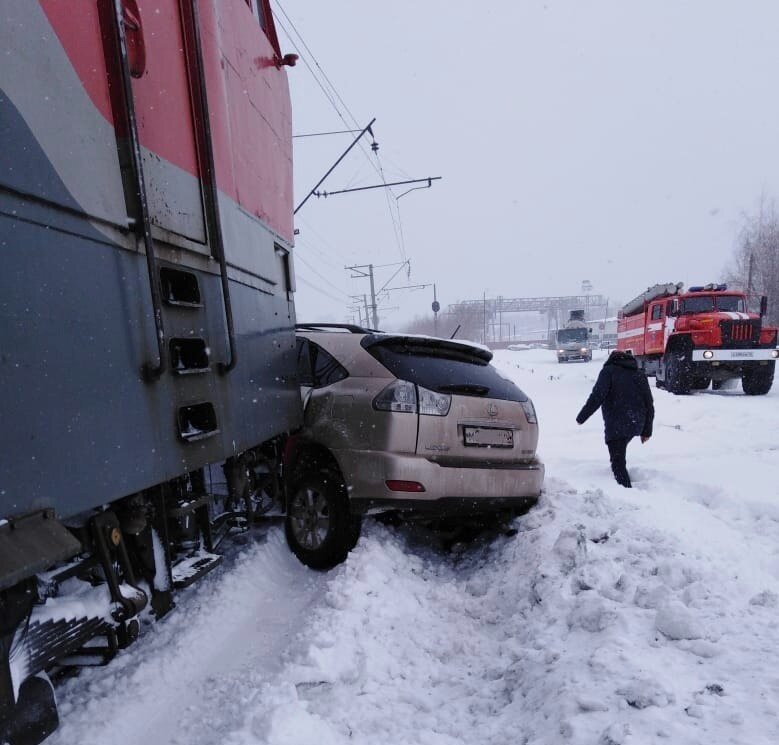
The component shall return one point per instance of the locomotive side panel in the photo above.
(53, 134)
(83, 427)
(146, 317)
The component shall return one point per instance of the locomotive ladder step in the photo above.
(93, 653)
(51, 640)
(191, 569)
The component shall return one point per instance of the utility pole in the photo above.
(373, 298)
(361, 273)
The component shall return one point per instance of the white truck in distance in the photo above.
(573, 340)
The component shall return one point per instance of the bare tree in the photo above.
(755, 264)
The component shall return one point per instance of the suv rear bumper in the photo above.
(445, 506)
(447, 488)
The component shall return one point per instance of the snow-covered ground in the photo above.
(612, 616)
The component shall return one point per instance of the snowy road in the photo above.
(612, 617)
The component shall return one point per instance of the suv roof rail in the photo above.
(350, 327)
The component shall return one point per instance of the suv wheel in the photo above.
(319, 527)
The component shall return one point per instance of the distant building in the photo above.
(604, 332)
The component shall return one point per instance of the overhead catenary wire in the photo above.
(317, 288)
(322, 277)
(394, 216)
(320, 239)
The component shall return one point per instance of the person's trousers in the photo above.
(617, 449)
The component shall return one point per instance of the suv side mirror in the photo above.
(763, 305)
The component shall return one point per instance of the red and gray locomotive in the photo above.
(147, 352)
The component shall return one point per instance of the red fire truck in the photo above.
(689, 340)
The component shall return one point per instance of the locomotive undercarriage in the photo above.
(131, 557)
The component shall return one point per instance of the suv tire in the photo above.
(319, 528)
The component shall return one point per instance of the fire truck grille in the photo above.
(739, 333)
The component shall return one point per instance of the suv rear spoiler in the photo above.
(427, 342)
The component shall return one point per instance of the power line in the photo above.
(321, 255)
(398, 230)
(313, 74)
(304, 281)
(322, 277)
(396, 226)
(323, 134)
(309, 228)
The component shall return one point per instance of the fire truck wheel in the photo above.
(758, 382)
(700, 384)
(677, 373)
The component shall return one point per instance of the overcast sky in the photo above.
(615, 141)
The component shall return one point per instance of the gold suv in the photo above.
(399, 422)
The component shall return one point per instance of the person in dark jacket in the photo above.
(623, 395)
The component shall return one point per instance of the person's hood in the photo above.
(622, 359)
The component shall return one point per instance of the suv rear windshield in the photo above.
(443, 369)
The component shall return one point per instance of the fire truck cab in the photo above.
(706, 335)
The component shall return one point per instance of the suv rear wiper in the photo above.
(466, 388)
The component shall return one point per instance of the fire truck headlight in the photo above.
(708, 354)
(775, 353)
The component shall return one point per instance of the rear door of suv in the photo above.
(489, 420)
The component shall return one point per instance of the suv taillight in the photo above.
(405, 397)
(398, 396)
(433, 403)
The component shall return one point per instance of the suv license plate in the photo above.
(489, 437)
